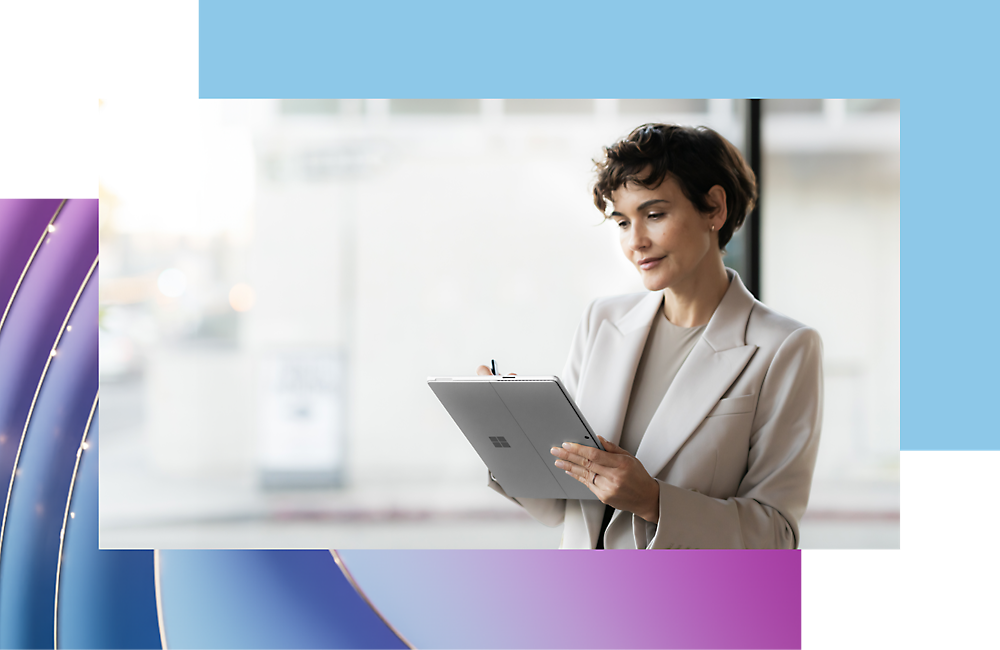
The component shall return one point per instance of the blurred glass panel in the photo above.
(633, 106)
(309, 106)
(737, 255)
(548, 106)
(793, 105)
(872, 105)
(830, 246)
(433, 106)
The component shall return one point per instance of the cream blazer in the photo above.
(733, 443)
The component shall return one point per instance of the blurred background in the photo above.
(279, 278)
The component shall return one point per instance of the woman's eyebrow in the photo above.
(645, 205)
(642, 206)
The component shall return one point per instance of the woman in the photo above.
(707, 402)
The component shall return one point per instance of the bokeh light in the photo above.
(241, 297)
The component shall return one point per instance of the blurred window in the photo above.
(794, 105)
(633, 106)
(309, 106)
(873, 106)
(830, 259)
(433, 106)
(548, 106)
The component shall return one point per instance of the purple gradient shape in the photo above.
(586, 599)
(41, 488)
(22, 222)
(36, 315)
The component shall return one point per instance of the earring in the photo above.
(712, 229)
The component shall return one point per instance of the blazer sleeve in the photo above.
(552, 512)
(773, 494)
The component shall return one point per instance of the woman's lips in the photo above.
(649, 262)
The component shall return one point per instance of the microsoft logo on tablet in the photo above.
(499, 441)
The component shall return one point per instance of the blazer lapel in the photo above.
(713, 365)
(606, 383)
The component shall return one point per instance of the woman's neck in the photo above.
(693, 302)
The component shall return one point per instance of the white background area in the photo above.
(937, 591)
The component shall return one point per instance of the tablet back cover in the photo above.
(512, 424)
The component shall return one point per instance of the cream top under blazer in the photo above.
(733, 443)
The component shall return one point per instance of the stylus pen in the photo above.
(493, 365)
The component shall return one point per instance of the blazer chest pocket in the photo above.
(734, 406)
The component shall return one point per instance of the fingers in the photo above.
(575, 471)
(611, 447)
(590, 453)
(579, 471)
(592, 459)
(584, 476)
(590, 484)
(569, 457)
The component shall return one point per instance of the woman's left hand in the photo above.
(615, 476)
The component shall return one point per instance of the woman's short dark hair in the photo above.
(698, 158)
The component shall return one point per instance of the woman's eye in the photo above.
(623, 224)
(655, 215)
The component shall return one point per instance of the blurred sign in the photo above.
(303, 420)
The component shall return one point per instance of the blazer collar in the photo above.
(713, 365)
(641, 316)
(727, 327)
(711, 368)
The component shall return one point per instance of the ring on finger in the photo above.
(593, 479)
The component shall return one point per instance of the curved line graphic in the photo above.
(62, 533)
(159, 600)
(45, 233)
(38, 389)
(347, 574)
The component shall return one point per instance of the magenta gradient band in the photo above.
(586, 599)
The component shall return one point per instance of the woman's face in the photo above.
(664, 235)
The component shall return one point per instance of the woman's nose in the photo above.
(637, 239)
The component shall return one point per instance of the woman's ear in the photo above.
(717, 200)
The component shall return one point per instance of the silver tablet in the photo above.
(512, 422)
